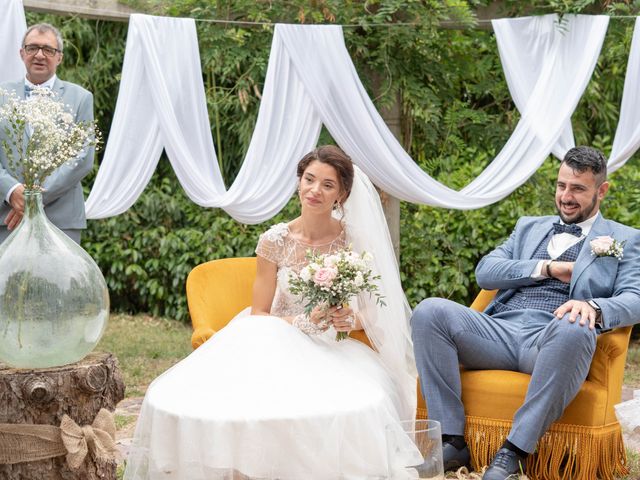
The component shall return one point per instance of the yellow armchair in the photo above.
(585, 443)
(220, 289)
(216, 292)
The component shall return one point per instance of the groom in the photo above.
(554, 297)
(63, 199)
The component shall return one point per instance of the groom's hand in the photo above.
(577, 308)
(561, 271)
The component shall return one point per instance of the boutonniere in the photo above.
(607, 247)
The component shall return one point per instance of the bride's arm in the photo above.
(264, 286)
(264, 289)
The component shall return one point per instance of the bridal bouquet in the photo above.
(333, 279)
(52, 137)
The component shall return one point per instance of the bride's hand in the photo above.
(320, 317)
(344, 319)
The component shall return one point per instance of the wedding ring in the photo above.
(352, 321)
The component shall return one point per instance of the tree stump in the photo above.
(44, 396)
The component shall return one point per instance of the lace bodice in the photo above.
(278, 246)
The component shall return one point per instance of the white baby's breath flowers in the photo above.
(52, 137)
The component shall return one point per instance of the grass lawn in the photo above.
(632, 370)
(147, 346)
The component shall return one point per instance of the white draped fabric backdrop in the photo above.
(12, 28)
(161, 105)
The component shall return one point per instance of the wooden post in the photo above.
(44, 396)
(392, 116)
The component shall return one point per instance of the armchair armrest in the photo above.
(610, 355)
(607, 366)
(483, 300)
(216, 292)
(201, 335)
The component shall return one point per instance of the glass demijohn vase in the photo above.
(54, 302)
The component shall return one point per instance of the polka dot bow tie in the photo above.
(572, 228)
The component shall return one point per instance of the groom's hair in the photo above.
(334, 156)
(581, 159)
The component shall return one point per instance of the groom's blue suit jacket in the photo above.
(613, 284)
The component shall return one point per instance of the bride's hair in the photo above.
(334, 156)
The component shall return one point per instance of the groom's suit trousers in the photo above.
(447, 334)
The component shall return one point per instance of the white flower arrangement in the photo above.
(333, 279)
(606, 246)
(52, 137)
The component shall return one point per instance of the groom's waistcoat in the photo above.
(548, 294)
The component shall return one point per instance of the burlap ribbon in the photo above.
(29, 443)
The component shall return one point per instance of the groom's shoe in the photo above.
(453, 458)
(504, 464)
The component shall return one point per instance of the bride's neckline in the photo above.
(297, 240)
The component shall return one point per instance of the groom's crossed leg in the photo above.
(557, 354)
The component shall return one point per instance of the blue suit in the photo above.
(613, 284)
(63, 197)
(555, 352)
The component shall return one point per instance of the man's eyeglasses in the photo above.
(46, 50)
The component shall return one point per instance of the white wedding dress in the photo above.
(261, 399)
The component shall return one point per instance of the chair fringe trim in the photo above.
(565, 452)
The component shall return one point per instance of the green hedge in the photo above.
(456, 115)
(147, 253)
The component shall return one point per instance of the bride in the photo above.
(273, 395)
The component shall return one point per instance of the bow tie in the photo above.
(572, 228)
(28, 90)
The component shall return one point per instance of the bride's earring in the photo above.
(338, 208)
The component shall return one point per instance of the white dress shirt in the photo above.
(560, 242)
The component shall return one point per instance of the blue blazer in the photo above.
(613, 284)
(63, 197)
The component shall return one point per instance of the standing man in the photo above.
(557, 290)
(63, 199)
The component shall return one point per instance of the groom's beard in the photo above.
(582, 214)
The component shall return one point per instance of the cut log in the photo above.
(44, 396)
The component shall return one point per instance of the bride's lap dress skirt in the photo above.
(262, 399)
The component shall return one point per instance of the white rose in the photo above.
(66, 117)
(601, 245)
(330, 260)
(359, 280)
(305, 274)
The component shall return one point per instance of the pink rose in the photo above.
(324, 276)
(601, 245)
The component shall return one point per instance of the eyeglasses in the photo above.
(46, 50)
